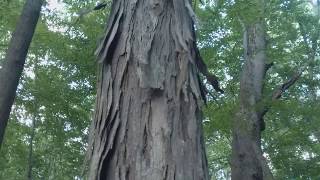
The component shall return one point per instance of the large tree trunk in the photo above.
(14, 61)
(147, 122)
(248, 162)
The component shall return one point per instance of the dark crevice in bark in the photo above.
(127, 173)
(145, 140)
(109, 154)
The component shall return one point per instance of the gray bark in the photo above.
(147, 122)
(248, 162)
(14, 61)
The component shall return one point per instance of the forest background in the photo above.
(48, 129)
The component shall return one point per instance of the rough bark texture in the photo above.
(13, 64)
(147, 124)
(248, 162)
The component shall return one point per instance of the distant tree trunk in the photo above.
(14, 61)
(30, 156)
(35, 117)
(248, 162)
(147, 123)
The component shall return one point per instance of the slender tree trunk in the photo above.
(36, 116)
(248, 162)
(13, 64)
(30, 156)
(147, 122)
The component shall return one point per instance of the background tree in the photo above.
(220, 45)
(247, 160)
(14, 61)
(64, 89)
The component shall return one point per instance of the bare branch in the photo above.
(311, 55)
(285, 86)
(277, 95)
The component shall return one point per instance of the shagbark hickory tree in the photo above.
(147, 122)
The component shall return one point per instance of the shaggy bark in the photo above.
(248, 162)
(13, 64)
(147, 122)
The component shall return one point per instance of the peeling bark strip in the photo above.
(147, 123)
(248, 162)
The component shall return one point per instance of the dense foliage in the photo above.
(56, 94)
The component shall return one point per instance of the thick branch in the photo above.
(311, 53)
(278, 93)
